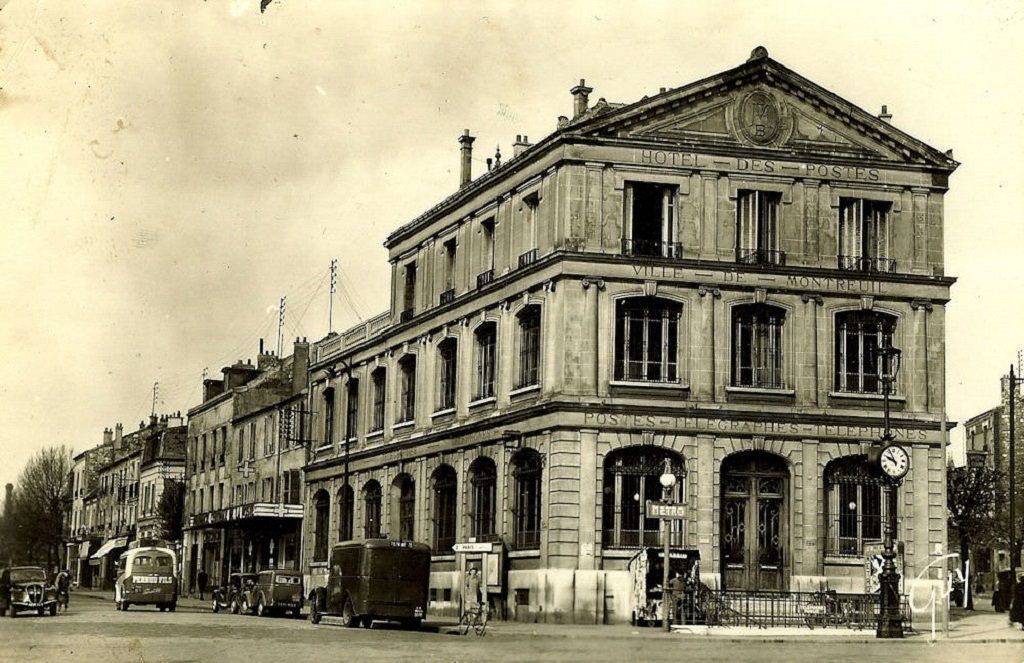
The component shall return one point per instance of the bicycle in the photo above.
(474, 618)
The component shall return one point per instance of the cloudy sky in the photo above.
(170, 170)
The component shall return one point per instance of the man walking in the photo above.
(203, 579)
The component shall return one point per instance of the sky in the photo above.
(171, 170)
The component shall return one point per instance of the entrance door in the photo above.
(753, 521)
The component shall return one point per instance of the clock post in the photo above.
(894, 463)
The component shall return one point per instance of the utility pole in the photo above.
(330, 309)
(156, 390)
(280, 324)
(1012, 389)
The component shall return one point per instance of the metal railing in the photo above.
(827, 609)
(867, 264)
(652, 247)
(406, 315)
(448, 296)
(528, 258)
(483, 278)
(761, 257)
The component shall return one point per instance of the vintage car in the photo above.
(25, 588)
(146, 576)
(277, 591)
(237, 594)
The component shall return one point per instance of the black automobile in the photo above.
(277, 591)
(236, 595)
(24, 588)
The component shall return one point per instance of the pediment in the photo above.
(763, 105)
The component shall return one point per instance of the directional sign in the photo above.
(471, 547)
(666, 510)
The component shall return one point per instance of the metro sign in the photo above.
(666, 510)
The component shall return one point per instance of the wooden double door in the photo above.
(754, 516)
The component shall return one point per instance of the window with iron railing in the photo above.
(757, 235)
(864, 236)
(757, 353)
(379, 382)
(346, 513)
(650, 226)
(631, 478)
(486, 359)
(447, 359)
(484, 480)
(445, 498)
(407, 397)
(858, 360)
(372, 510)
(856, 501)
(647, 339)
(529, 346)
(526, 509)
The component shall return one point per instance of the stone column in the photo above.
(703, 368)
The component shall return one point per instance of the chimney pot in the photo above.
(885, 115)
(466, 170)
(580, 95)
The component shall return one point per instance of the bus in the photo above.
(375, 579)
(146, 575)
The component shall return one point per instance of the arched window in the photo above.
(859, 335)
(855, 502)
(529, 346)
(407, 397)
(447, 353)
(486, 359)
(484, 479)
(631, 477)
(757, 358)
(403, 507)
(444, 484)
(526, 476)
(346, 507)
(647, 339)
(321, 520)
(371, 500)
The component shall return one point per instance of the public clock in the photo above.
(895, 461)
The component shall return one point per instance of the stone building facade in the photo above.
(701, 277)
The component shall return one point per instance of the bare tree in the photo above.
(971, 499)
(171, 510)
(40, 505)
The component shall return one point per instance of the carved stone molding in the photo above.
(704, 289)
(592, 281)
(651, 288)
(811, 297)
(916, 304)
(867, 303)
(760, 295)
(548, 286)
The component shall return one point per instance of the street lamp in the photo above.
(668, 482)
(1012, 393)
(895, 462)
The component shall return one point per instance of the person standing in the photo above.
(471, 591)
(63, 584)
(203, 579)
(1017, 605)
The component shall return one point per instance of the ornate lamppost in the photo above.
(894, 462)
(670, 511)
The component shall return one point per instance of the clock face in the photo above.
(894, 461)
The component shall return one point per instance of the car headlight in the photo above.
(18, 594)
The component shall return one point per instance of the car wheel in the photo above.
(260, 610)
(367, 621)
(162, 607)
(348, 614)
(216, 606)
(233, 607)
(314, 610)
(173, 606)
(53, 610)
(246, 608)
(124, 605)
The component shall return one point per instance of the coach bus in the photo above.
(147, 575)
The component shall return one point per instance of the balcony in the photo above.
(448, 296)
(528, 258)
(406, 315)
(867, 264)
(484, 278)
(761, 257)
(653, 248)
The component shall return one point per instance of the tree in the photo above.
(171, 510)
(970, 500)
(40, 505)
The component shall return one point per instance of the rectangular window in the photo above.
(757, 346)
(757, 234)
(864, 236)
(529, 347)
(409, 292)
(329, 416)
(448, 273)
(647, 340)
(486, 347)
(252, 440)
(487, 233)
(352, 410)
(379, 391)
(241, 443)
(448, 364)
(650, 221)
(408, 388)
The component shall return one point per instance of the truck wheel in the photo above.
(348, 614)
(412, 624)
(314, 610)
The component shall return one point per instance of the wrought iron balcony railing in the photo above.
(867, 264)
(406, 315)
(652, 247)
(528, 258)
(484, 278)
(761, 257)
(448, 296)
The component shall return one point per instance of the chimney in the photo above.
(212, 388)
(466, 173)
(118, 436)
(521, 145)
(108, 436)
(300, 365)
(580, 94)
(885, 115)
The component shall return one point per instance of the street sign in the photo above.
(472, 547)
(666, 510)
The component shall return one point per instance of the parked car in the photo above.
(375, 579)
(278, 591)
(26, 588)
(236, 595)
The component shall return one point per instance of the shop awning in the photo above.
(119, 542)
(83, 550)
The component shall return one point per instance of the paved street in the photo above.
(94, 631)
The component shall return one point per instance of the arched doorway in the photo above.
(754, 521)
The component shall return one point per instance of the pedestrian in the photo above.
(63, 583)
(203, 579)
(1017, 606)
(676, 594)
(471, 597)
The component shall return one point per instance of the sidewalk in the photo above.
(982, 625)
